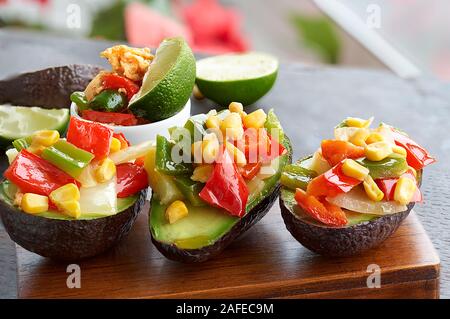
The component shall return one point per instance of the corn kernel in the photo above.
(355, 170)
(374, 137)
(36, 148)
(196, 93)
(236, 107)
(210, 148)
(357, 122)
(238, 156)
(231, 127)
(404, 190)
(64, 193)
(255, 119)
(372, 189)
(105, 171)
(399, 150)
(378, 151)
(359, 137)
(176, 211)
(70, 208)
(202, 173)
(34, 203)
(213, 122)
(45, 137)
(115, 145)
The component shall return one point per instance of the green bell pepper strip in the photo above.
(164, 162)
(392, 166)
(196, 127)
(190, 189)
(22, 143)
(80, 100)
(108, 101)
(295, 176)
(67, 157)
(273, 123)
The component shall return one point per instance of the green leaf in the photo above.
(319, 34)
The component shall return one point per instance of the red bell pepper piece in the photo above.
(332, 183)
(335, 151)
(123, 140)
(322, 211)
(226, 187)
(387, 186)
(89, 136)
(131, 178)
(257, 144)
(251, 170)
(123, 119)
(416, 156)
(33, 174)
(115, 82)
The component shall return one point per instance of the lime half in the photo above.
(241, 78)
(168, 82)
(22, 121)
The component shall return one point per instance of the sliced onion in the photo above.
(344, 133)
(100, 200)
(132, 152)
(357, 201)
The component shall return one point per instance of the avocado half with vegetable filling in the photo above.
(338, 202)
(208, 229)
(75, 197)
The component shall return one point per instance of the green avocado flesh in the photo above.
(7, 191)
(205, 225)
(287, 196)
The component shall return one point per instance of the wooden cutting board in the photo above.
(266, 262)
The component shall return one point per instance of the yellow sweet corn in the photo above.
(255, 119)
(357, 122)
(210, 148)
(399, 150)
(176, 211)
(196, 93)
(236, 107)
(359, 137)
(36, 148)
(372, 189)
(105, 170)
(378, 151)
(115, 145)
(45, 137)
(355, 170)
(231, 127)
(202, 173)
(404, 190)
(70, 208)
(213, 122)
(237, 154)
(374, 137)
(64, 193)
(34, 203)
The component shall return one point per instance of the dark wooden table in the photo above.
(309, 100)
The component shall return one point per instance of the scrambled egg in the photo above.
(129, 62)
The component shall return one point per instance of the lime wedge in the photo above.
(241, 78)
(168, 83)
(22, 121)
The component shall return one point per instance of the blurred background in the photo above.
(409, 37)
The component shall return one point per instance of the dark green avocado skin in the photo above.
(346, 241)
(172, 252)
(343, 241)
(47, 88)
(68, 240)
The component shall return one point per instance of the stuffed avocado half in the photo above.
(355, 190)
(74, 197)
(228, 181)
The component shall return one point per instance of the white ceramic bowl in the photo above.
(141, 133)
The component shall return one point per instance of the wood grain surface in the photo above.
(309, 100)
(265, 263)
